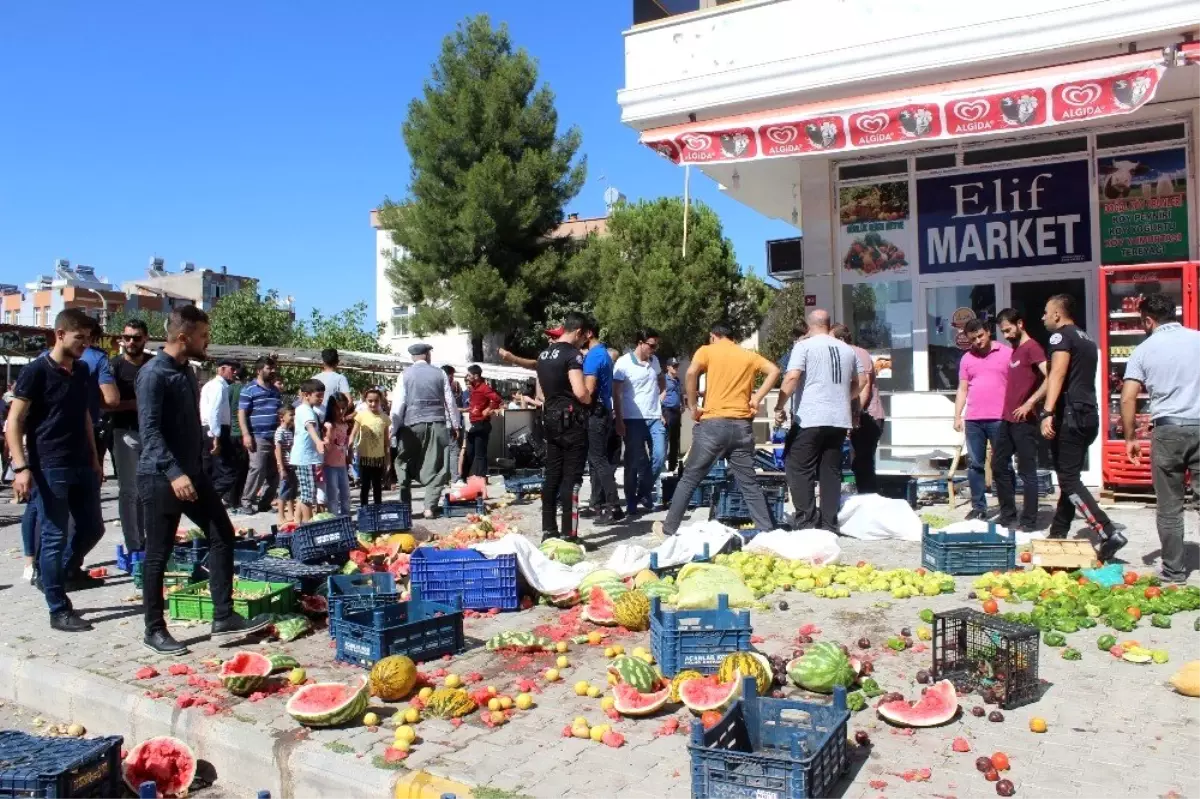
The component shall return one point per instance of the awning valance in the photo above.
(1004, 103)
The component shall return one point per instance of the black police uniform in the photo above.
(564, 419)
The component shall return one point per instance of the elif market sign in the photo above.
(1003, 218)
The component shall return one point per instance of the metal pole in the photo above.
(103, 307)
(687, 174)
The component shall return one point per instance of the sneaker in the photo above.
(1009, 523)
(249, 510)
(613, 515)
(1029, 528)
(160, 642)
(1109, 546)
(237, 627)
(589, 512)
(67, 622)
(1171, 580)
(977, 513)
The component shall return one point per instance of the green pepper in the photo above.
(1066, 625)
(1162, 621)
(896, 643)
(856, 701)
(1054, 639)
(1106, 642)
(1121, 621)
(1086, 623)
(1071, 654)
(870, 688)
(1093, 611)
(926, 615)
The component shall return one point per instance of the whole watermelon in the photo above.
(822, 667)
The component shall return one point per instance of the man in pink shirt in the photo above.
(982, 380)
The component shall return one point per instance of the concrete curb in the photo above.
(280, 764)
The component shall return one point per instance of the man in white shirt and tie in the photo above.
(215, 418)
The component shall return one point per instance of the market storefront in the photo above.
(970, 198)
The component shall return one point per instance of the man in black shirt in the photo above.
(1071, 421)
(565, 399)
(126, 443)
(172, 482)
(50, 403)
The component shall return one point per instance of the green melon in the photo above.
(245, 673)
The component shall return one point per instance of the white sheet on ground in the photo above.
(819, 547)
(871, 517)
(980, 526)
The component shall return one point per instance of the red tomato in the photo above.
(1130, 578)
(709, 719)
(1152, 592)
(1026, 557)
(1083, 580)
(1000, 761)
(1135, 611)
(991, 607)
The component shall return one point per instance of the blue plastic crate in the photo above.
(968, 553)
(718, 470)
(703, 557)
(283, 541)
(355, 593)
(306, 578)
(420, 628)
(523, 487)
(248, 550)
(452, 509)
(328, 538)
(194, 552)
(480, 583)
(57, 768)
(728, 504)
(386, 517)
(702, 494)
(125, 560)
(697, 639)
(771, 748)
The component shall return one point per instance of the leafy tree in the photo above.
(649, 282)
(749, 306)
(787, 308)
(156, 322)
(489, 178)
(345, 331)
(246, 318)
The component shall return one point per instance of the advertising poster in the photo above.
(1003, 218)
(1143, 207)
(875, 231)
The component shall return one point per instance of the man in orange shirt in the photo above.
(724, 426)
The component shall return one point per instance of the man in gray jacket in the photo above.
(424, 416)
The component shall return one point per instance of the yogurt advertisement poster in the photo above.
(876, 231)
(1143, 207)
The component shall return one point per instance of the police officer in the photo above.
(1071, 420)
(1160, 367)
(561, 387)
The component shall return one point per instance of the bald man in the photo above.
(825, 370)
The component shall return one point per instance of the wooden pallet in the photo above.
(1062, 554)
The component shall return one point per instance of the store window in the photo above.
(947, 311)
(880, 318)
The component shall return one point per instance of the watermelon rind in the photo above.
(351, 708)
(938, 706)
(134, 772)
(599, 609)
(245, 673)
(635, 672)
(715, 696)
(596, 577)
(628, 701)
(282, 662)
(823, 667)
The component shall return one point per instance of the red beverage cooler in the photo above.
(1120, 333)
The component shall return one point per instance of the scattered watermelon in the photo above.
(167, 762)
(939, 705)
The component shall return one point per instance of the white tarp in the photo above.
(871, 517)
(980, 526)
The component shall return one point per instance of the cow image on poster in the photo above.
(1018, 110)
(1116, 179)
(915, 123)
(821, 136)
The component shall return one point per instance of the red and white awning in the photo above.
(1006, 103)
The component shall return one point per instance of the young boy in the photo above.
(308, 448)
(284, 439)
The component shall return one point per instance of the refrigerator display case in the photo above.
(1123, 287)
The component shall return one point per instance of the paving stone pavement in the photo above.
(1115, 729)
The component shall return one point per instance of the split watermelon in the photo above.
(939, 705)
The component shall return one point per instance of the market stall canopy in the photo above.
(1015, 101)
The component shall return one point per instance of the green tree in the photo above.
(246, 318)
(649, 282)
(490, 176)
(787, 308)
(749, 306)
(346, 331)
(156, 322)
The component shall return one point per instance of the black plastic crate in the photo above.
(978, 652)
(386, 517)
(58, 768)
(771, 748)
(194, 552)
(306, 578)
(1045, 481)
(421, 629)
(328, 538)
(728, 504)
(457, 509)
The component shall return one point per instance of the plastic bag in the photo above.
(474, 487)
(818, 547)
(1106, 576)
(871, 517)
(701, 583)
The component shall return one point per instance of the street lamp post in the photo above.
(103, 306)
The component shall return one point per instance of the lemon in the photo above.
(425, 692)
(618, 649)
(595, 637)
(498, 717)
(491, 689)
(506, 702)
(453, 681)
(493, 704)
(581, 688)
(297, 676)
(401, 744)
(560, 647)
(638, 651)
(597, 733)
(551, 675)
(581, 732)
(610, 652)
(412, 715)
(607, 703)
(406, 733)
(646, 656)
(562, 662)
(524, 701)
(593, 691)
(579, 721)
(371, 720)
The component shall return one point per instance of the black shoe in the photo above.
(82, 581)
(160, 642)
(237, 627)
(1010, 523)
(249, 510)
(67, 622)
(613, 515)
(589, 512)
(976, 513)
(1029, 528)
(1111, 543)
(549, 534)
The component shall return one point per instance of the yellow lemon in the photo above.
(498, 717)
(491, 689)
(618, 649)
(406, 733)
(593, 691)
(562, 662)
(607, 703)
(371, 720)
(597, 732)
(609, 652)
(581, 688)
(524, 701)
(425, 692)
(595, 637)
(551, 675)
(412, 715)
(493, 704)
(579, 721)
(506, 702)
(453, 681)
(401, 744)
(560, 647)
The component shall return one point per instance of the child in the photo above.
(285, 435)
(372, 437)
(337, 445)
(308, 448)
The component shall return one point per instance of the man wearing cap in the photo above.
(671, 406)
(216, 418)
(455, 436)
(424, 416)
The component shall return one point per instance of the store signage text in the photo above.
(1027, 216)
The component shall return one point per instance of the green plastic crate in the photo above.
(176, 574)
(188, 603)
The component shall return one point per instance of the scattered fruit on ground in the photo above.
(990, 606)
(1037, 724)
(593, 691)
(401, 744)
(938, 705)
(709, 693)
(405, 733)
(551, 675)
(524, 701)
(748, 664)
(607, 703)
(1005, 788)
(453, 681)
(1187, 680)
(595, 637)
(370, 720)
(493, 704)
(710, 719)
(628, 701)
(562, 662)
(393, 677)
(764, 574)
(297, 676)
(560, 647)
(506, 702)
(581, 688)
(679, 679)
(167, 762)
(821, 668)
(412, 715)
(425, 692)
(330, 704)
(245, 673)
(449, 703)
(1000, 761)
(76, 730)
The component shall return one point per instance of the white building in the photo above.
(945, 160)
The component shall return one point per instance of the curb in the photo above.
(284, 766)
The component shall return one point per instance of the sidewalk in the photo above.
(1113, 727)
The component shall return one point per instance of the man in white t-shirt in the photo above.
(638, 381)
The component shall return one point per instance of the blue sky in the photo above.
(258, 135)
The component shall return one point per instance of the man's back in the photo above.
(829, 369)
(731, 371)
(1171, 378)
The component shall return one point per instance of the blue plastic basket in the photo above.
(703, 557)
(460, 508)
(386, 517)
(194, 552)
(465, 575)
(355, 593)
(718, 470)
(771, 748)
(306, 578)
(968, 553)
(702, 494)
(248, 550)
(697, 639)
(728, 504)
(57, 768)
(522, 487)
(328, 538)
(283, 541)
(420, 628)
(125, 560)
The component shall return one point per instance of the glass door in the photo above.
(947, 311)
(1030, 296)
